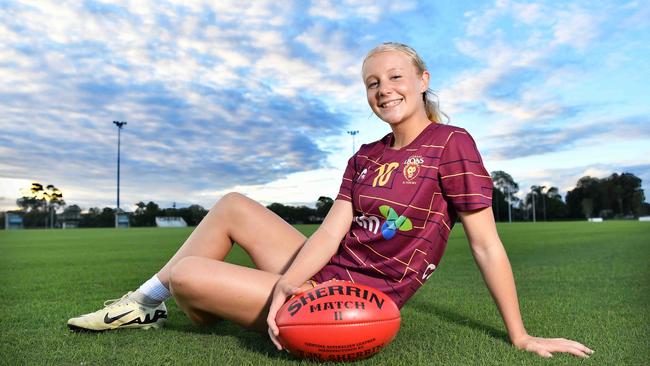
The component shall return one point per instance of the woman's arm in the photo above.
(313, 256)
(492, 260)
(321, 246)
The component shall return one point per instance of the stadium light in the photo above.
(119, 125)
(532, 196)
(352, 133)
(542, 188)
(509, 204)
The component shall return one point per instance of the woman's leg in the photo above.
(206, 288)
(270, 241)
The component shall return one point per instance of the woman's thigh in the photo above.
(206, 289)
(270, 241)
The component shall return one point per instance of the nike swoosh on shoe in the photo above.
(109, 320)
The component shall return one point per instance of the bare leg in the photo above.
(207, 288)
(269, 240)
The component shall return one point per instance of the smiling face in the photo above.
(394, 87)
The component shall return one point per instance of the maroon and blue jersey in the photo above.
(405, 204)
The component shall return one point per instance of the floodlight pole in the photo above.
(352, 133)
(532, 196)
(543, 201)
(509, 204)
(119, 125)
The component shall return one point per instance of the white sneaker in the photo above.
(125, 312)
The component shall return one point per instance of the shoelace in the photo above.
(122, 300)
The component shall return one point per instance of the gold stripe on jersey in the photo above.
(469, 194)
(452, 133)
(377, 269)
(465, 173)
(351, 279)
(407, 265)
(368, 158)
(352, 251)
(346, 196)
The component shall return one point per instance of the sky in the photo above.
(257, 97)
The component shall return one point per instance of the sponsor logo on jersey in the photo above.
(362, 176)
(393, 222)
(412, 168)
(370, 223)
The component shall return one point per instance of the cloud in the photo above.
(538, 139)
(364, 9)
(524, 54)
(216, 94)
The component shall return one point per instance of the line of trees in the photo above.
(616, 196)
(143, 216)
(38, 208)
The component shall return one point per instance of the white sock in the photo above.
(155, 290)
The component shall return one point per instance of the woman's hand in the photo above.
(281, 292)
(546, 346)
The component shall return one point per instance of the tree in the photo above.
(38, 203)
(323, 206)
(614, 196)
(193, 214)
(503, 196)
(145, 214)
(72, 212)
(54, 198)
(556, 209)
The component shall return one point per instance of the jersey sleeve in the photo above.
(345, 192)
(463, 178)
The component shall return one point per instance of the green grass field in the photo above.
(586, 281)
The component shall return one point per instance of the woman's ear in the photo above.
(425, 81)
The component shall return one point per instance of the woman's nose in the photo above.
(384, 90)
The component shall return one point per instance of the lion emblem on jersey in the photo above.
(412, 167)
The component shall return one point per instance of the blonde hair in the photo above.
(429, 96)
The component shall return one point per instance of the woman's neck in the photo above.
(404, 133)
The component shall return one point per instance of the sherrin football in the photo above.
(338, 321)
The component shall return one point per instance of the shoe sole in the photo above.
(78, 329)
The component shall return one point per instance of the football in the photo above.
(338, 321)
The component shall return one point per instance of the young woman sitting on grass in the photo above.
(388, 227)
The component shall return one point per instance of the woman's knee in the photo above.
(233, 199)
(182, 278)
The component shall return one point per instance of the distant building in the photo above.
(13, 220)
(168, 221)
(122, 220)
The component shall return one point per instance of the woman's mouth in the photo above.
(390, 103)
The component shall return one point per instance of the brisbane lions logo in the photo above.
(412, 167)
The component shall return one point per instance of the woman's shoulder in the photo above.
(441, 134)
(441, 128)
(371, 148)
